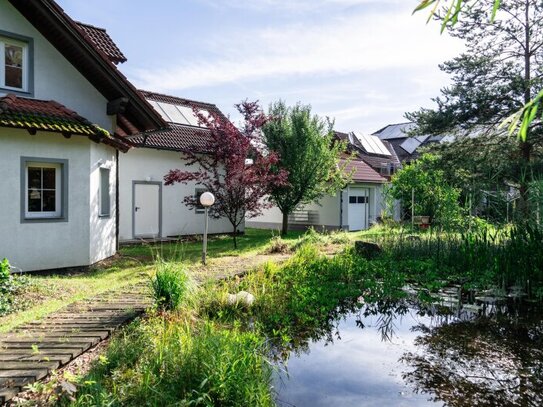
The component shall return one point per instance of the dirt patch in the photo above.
(229, 266)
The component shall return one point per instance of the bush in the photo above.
(10, 288)
(170, 285)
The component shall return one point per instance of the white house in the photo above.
(356, 207)
(59, 105)
(147, 207)
(75, 177)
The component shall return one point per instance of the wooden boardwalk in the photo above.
(31, 351)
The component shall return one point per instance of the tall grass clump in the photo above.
(170, 285)
(484, 258)
(172, 360)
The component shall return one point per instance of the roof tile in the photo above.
(101, 40)
(49, 115)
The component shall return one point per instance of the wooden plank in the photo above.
(52, 357)
(29, 364)
(36, 373)
(61, 334)
(7, 393)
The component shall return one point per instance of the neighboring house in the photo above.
(63, 105)
(147, 207)
(356, 207)
(406, 148)
(378, 154)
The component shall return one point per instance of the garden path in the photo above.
(34, 349)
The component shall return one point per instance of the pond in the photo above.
(404, 355)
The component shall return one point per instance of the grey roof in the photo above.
(393, 131)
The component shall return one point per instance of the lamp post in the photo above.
(206, 199)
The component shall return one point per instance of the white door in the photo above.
(146, 210)
(359, 205)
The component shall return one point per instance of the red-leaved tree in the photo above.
(239, 187)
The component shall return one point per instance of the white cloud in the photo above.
(294, 5)
(356, 43)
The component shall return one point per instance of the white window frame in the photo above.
(101, 212)
(24, 46)
(57, 213)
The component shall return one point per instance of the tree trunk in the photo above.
(284, 227)
(235, 237)
(524, 145)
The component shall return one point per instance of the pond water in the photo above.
(401, 355)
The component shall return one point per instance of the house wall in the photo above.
(102, 229)
(36, 246)
(145, 164)
(54, 77)
(328, 209)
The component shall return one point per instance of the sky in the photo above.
(363, 63)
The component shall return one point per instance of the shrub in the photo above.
(170, 285)
(10, 288)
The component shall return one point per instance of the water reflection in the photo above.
(400, 354)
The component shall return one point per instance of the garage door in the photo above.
(359, 208)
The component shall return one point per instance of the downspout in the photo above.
(340, 209)
(117, 211)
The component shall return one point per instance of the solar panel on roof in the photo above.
(411, 144)
(157, 107)
(372, 144)
(189, 114)
(173, 113)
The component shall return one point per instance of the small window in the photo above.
(362, 200)
(105, 192)
(352, 199)
(43, 187)
(13, 64)
(199, 208)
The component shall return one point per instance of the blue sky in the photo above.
(361, 62)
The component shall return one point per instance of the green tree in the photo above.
(434, 197)
(498, 74)
(307, 152)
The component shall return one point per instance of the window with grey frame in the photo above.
(199, 207)
(44, 194)
(16, 63)
(105, 192)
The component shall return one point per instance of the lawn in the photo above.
(49, 293)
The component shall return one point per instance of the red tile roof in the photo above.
(101, 40)
(176, 137)
(362, 172)
(47, 115)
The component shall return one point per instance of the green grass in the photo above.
(49, 293)
(175, 359)
(252, 242)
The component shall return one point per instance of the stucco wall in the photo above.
(328, 209)
(177, 219)
(34, 246)
(54, 77)
(102, 229)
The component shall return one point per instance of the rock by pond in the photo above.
(243, 297)
(368, 250)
